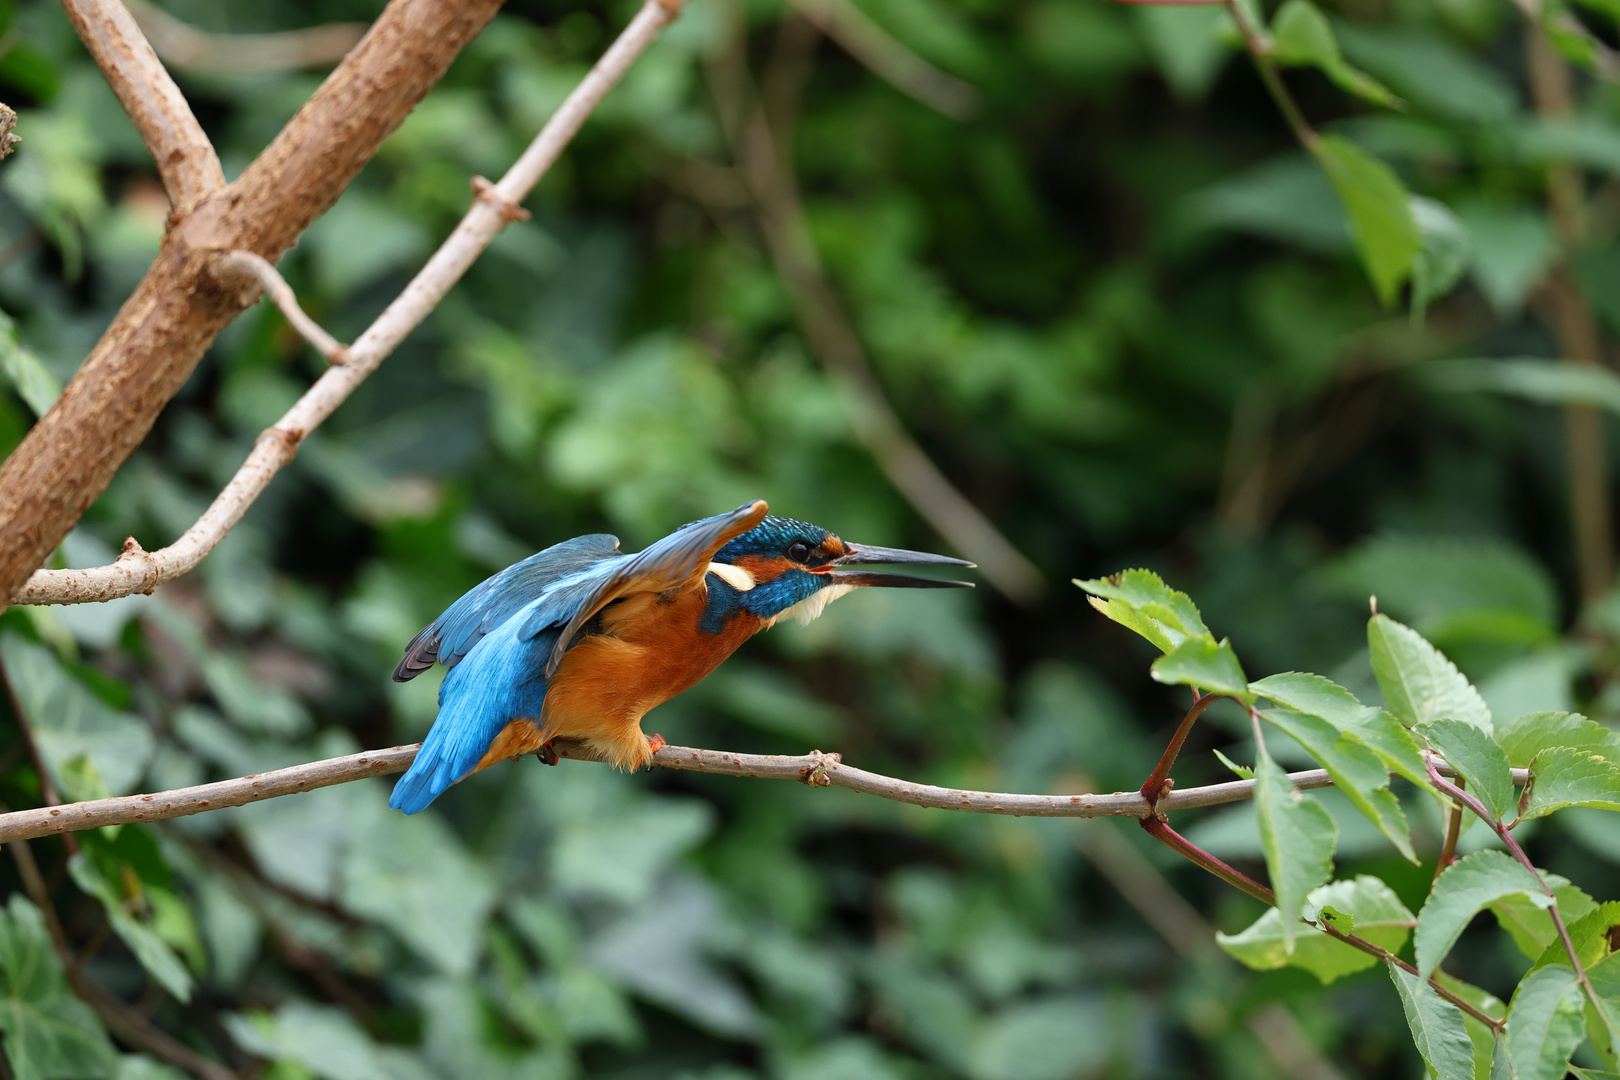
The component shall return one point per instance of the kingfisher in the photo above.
(580, 641)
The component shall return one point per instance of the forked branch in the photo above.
(494, 206)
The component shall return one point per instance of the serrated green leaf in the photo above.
(1374, 728)
(1419, 684)
(1242, 772)
(1206, 665)
(1301, 37)
(1380, 212)
(1590, 936)
(1437, 1028)
(1355, 770)
(1530, 925)
(1444, 255)
(152, 951)
(1534, 732)
(1563, 777)
(1603, 1016)
(1460, 893)
(1544, 1025)
(1366, 903)
(1140, 600)
(1297, 835)
(49, 1032)
(1484, 1037)
(1478, 761)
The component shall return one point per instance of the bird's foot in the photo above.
(547, 753)
(655, 743)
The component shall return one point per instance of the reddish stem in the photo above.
(1151, 790)
(1164, 834)
(1448, 851)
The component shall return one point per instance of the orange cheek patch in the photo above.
(761, 568)
(833, 546)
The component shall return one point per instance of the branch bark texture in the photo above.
(161, 332)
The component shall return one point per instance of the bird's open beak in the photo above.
(857, 554)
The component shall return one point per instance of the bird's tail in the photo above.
(496, 681)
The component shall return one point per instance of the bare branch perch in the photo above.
(185, 158)
(815, 769)
(494, 206)
(183, 46)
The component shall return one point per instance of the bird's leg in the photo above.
(547, 753)
(655, 743)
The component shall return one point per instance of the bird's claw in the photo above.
(547, 753)
(655, 743)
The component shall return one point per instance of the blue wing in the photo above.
(484, 607)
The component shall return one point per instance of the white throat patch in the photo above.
(811, 607)
(735, 576)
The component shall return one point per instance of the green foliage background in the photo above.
(1119, 307)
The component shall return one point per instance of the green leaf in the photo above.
(1140, 600)
(1534, 732)
(1478, 760)
(1437, 1028)
(1483, 1036)
(1355, 769)
(1418, 682)
(152, 951)
(1548, 382)
(1445, 254)
(1366, 903)
(1544, 1026)
(1374, 728)
(1297, 835)
(1564, 776)
(1603, 1024)
(33, 382)
(1590, 936)
(1463, 889)
(1380, 212)
(1530, 925)
(50, 1034)
(1301, 37)
(1205, 665)
(1242, 772)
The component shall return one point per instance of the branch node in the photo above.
(287, 439)
(671, 6)
(486, 192)
(816, 775)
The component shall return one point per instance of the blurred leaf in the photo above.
(1589, 142)
(1381, 220)
(1544, 1025)
(1563, 776)
(1045, 1039)
(1430, 581)
(1298, 837)
(1437, 1028)
(1203, 664)
(1527, 920)
(1184, 43)
(1140, 600)
(1478, 761)
(1547, 382)
(1355, 769)
(1378, 914)
(1463, 889)
(152, 951)
(1418, 682)
(1288, 199)
(1301, 37)
(322, 1039)
(69, 721)
(36, 386)
(49, 1032)
(1433, 73)
(1512, 248)
(1444, 256)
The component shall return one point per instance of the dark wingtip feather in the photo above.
(421, 654)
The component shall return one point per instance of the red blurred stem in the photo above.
(1150, 789)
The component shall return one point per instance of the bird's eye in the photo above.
(798, 551)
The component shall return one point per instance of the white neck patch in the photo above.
(811, 607)
(735, 576)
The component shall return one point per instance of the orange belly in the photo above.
(651, 649)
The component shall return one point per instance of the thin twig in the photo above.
(832, 339)
(891, 61)
(1448, 850)
(494, 206)
(183, 46)
(1259, 50)
(281, 295)
(184, 156)
(815, 768)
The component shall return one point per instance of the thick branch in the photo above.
(183, 46)
(815, 768)
(185, 158)
(69, 457)
(494, 206)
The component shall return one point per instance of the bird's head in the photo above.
(782, 568)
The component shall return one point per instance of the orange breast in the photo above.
(650, 651)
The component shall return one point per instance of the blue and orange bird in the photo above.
(581, 640)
